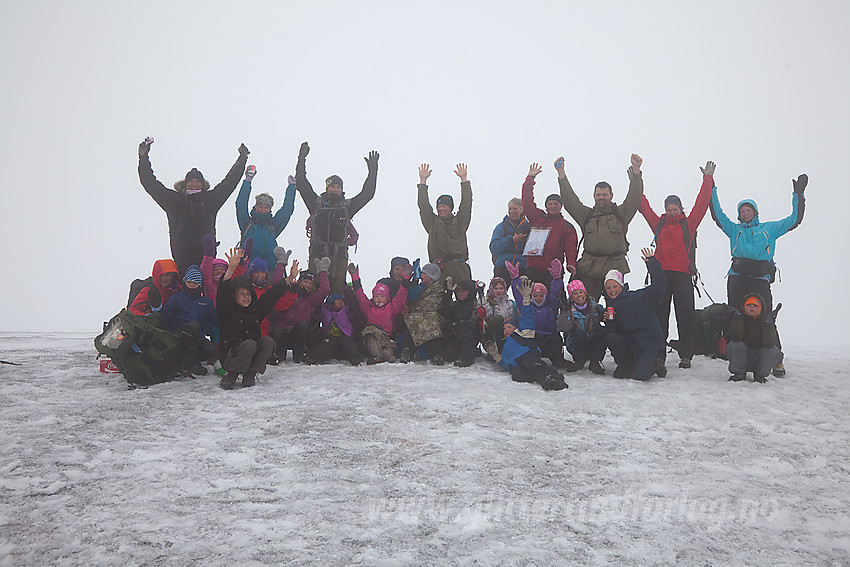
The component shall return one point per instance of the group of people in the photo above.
(254, 307)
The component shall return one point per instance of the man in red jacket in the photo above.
(674, 247)
(558, 237)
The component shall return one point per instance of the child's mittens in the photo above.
(513, 270)
(209, 244)
(323, 265)
(565, 322)
(491, 349)
(555, 269)
(450, 284)
(291, 180)
(249, 249)
(282, 255)
(354, 271)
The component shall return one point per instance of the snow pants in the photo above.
(204, 349)
(744, 358)
(551, 346)
(634, 362)
(249, 356)
(531, 368)
(680, 290)
(739, 286)
(462, 344)
(294, 339)
(341, 347)
(584, 348)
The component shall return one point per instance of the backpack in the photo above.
(136, 286)
(616, 212)
(144, 353)
(710, 325)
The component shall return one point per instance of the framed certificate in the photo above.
(536, 241)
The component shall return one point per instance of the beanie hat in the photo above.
(432, 271)
(446, 200)
(333, 180)
(399, 261)
(752, 300)
(615, 275)
(193, 274)
(258, 265)
(305, 275)
(333, 297)
(553, 197)
(220, 262)
(539, 287)
(264, 199)
(194, 174)
(673, 200)
(380, 289)
(574, 285)
(513, 320)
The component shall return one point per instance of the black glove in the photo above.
(372, 161)
(243, 150)
(304, 150)
(800, 183)
(145, 147)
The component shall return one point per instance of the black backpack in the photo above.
(136, 286)
(710, 326)
(144, 353)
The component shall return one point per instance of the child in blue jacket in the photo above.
(190, 311)
(545, 305)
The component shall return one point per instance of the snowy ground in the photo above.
(415, 465)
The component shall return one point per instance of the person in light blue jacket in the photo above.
(508, 240)
(259, 222)
(753, 244)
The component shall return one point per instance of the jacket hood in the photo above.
(751, 203)
(164, 267)
(761, 314)
(243, 281)
(180, 186)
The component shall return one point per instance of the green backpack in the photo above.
(144, 353)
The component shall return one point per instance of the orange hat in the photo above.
(753, 300)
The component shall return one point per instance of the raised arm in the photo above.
(243, 216)
(426, 212)
(227, 186)
(572, 204)
(798, 205)
(281, 218)
(311, 200)
(703, 197)
(629, 207)
(723, 221)
(159, 192)
(368, 192)
(531, 210)
(464, 210)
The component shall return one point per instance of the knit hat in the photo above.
(333, 297)
(752, 300)
(380, 289)
(446, 200)
(399, 261)
(615, 275)
(574, 285)
(193, 274)
(220, 262)
(305, 275)
(553, 197)
(432, 271)
(264, 199)
(333, 180)
(194, 174)
(513, 320)
(539, 287)
(258, 265)
(673, 200)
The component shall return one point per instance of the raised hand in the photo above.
(250, 172)
(559, 163)
(709, 168)
(513, 269)
(322, 265)
(303, 150)
(293, 273)
(637, 161)
(555, 269)
(372, 161)
(234, 257)
(461, 172)
(800, 183)
(145, 147)
(209, 245)
(534, 169)
(281, 254)
(647, 253)
(424, 173)
(290, 180)
(525, 288)
(450, 284)
(243, 150)
(354, 271)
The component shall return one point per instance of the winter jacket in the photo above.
(152, 296)
(505, 308)
(502, 245)
(423, 319)
(186, 306)
(670, 247)
(459, 311)
(264, 228)
(756, 240)
(755, 333)
(384, 316)
(339, 317)
(190, 217)
(562, 242)
(239, 323)
(634, 311)
(521, 341)
(329, 214)
(605, 243)
(211, 283)
(572, 320)
(446, 236)
(303, 307)
(545, 314)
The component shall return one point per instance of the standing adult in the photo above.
(258, 223)
(191, 207)
(752, 244)
(447, 231)
(508, 240)
(561, 241)
(603, 226)
(674, 233)
(331, 214)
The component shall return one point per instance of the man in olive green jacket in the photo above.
(603, 226)
(447, 231)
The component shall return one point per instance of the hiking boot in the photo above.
(759, 379)
(437, 360)
(373, 360)
(553, 383)
(623, 371)
(273, 361)
(464, 362)
(249, 380)
(779, 370)
(228, 381)
(685, 363)
(660, 369)
(354, 362)
(405, 356)
(596, 367)
(573, 366)
(560, 362)
(197, 370)
(739, 377)
(297, 357)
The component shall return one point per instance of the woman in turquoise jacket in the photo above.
(259, 222)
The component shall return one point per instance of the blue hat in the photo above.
(193, 274)
(513, 320)
(446, 200)
(333, 297)
(258, 265)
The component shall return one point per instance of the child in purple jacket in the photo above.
(545, 304)
(381, 315)
(335, 338)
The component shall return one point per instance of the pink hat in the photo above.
(539, 287)
(380, 289)
(615, 275)
(574, 285)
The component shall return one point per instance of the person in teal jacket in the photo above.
(259, 222)
(753, 244)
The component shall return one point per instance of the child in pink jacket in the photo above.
(381, 315)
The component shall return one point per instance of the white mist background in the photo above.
(761, 88)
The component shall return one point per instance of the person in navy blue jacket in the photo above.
(259, 223)
(190, 311)
(520, 355)
(634, 334)
(508, 240)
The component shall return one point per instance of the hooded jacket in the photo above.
(520, 342)
(263, 228)
(755, 333)
(572, 320)
(670, 247)
(545, 314)
(754, 239)
(338, 317)
(190, 217)
(152, 296)
(239, 323)
(502, 245)
(384, 316)
(562, 242)
(634, 311)
(186, 306)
